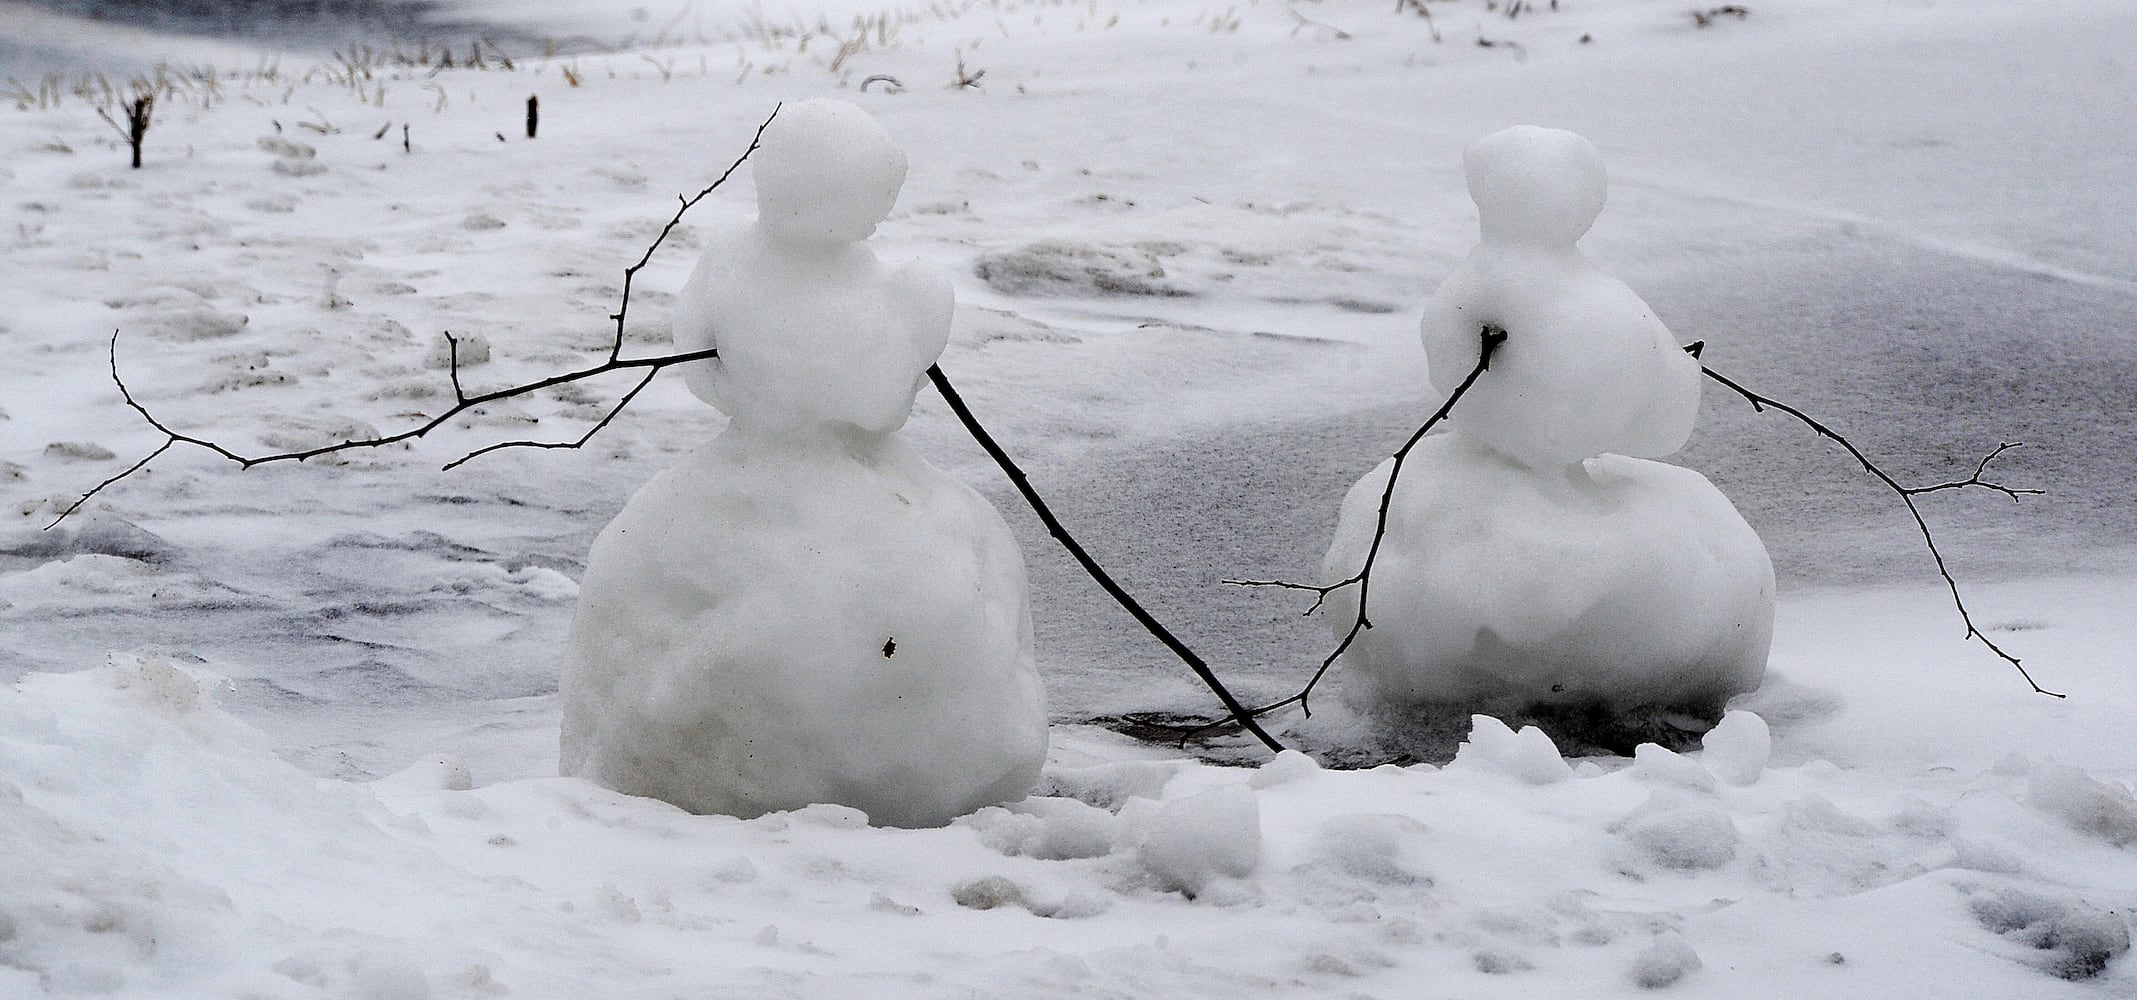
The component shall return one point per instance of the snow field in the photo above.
(160, 845)
(1910, 218)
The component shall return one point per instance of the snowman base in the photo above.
(776, 622)
(1618, 588)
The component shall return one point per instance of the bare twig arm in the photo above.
(1090, 565)
(1489, 340)
(462, 402)
(1906, 494)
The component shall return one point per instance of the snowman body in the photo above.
(805, 610)
(1533, 557)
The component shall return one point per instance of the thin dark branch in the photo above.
(1489, 340)
(462, 402)
(1090, 565)
(99, 488)
(1320, 592)
(1906, 494)
(583, 438)
(1976, 480)
(631, 273)
(452, 347)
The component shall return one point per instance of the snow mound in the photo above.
(1671, 832)
(2104, 809)
(1189, 844)
(1050, 829)
(1667, 960)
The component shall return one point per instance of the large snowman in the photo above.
(805, 610)
(1534, 559)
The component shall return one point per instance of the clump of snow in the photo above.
(2104, 809)
(1528, 755)
(1286, 767)
(1671, 831)
(805, 610)
(1051, 829)
(1737, 748)
(1111, 785)
(1668, 959)
(438, 771)
(1527, 561)
(92, 534)
(1188, 844)
(987, 892)
(1657, 763)
(80, 451)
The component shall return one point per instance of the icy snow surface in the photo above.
(1191, 243)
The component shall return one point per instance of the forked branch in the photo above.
(462, 401)
(1906, 494)
(1489, 340)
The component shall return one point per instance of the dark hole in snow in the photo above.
(890, 647)
(99, 535)
(2076, 939)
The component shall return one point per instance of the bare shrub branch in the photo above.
(1906, 494)
(1489, 340)
(462, 402)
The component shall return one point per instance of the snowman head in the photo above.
(1537, 186)
(826, 173)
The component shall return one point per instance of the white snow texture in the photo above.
(805, 610)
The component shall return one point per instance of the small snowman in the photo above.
(805, 610)
(1534, 559)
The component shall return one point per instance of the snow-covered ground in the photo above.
(1190, 240)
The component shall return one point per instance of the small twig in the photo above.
(583, 438)
(1320, 593)
(965, 79)
(1706, 18)
(1906, 494)
(1090, 565)
(1424, 12)
(1300, 22)
(452, 364)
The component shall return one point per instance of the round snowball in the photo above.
(1535, 185)
(826, 172)
(1624, 584)
(769, 625)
